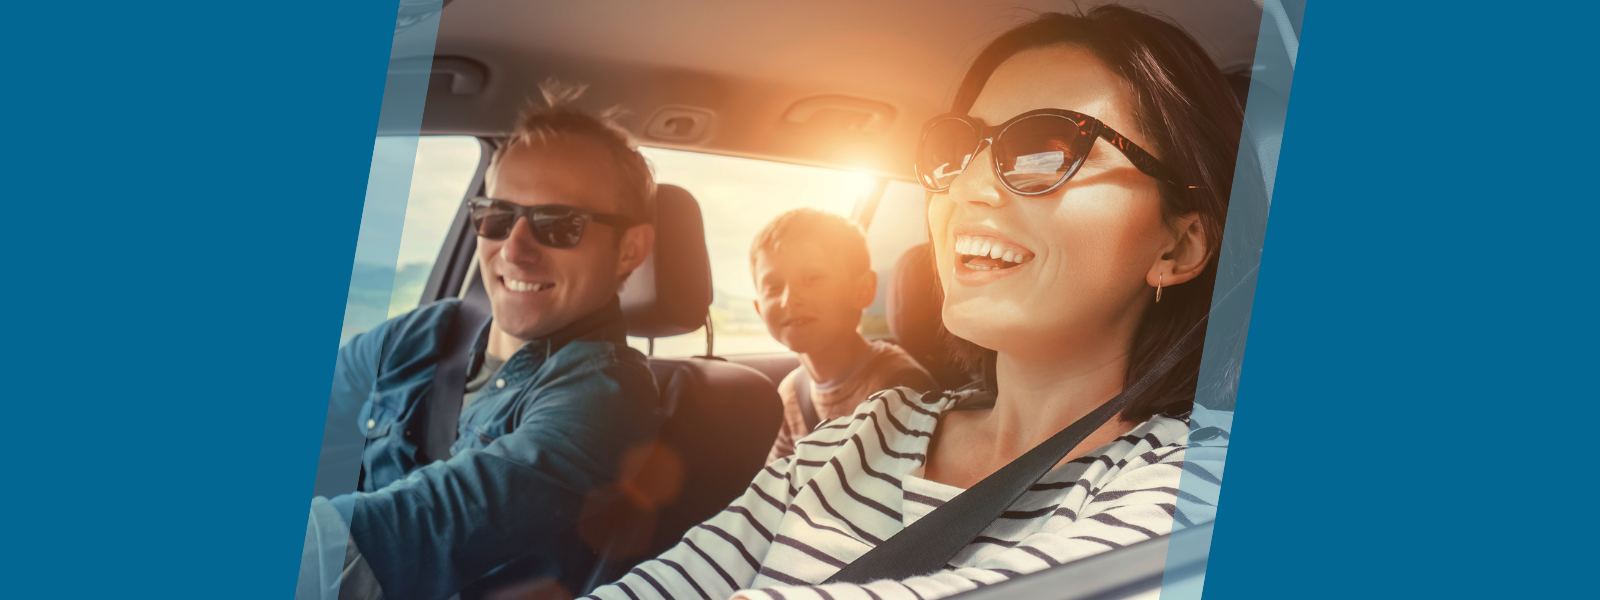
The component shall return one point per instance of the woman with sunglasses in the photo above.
(1077, 193)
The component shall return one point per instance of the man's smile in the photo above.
(517, 285)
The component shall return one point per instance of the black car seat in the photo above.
(913, 310)
(724, 416)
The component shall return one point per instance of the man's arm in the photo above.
(354, 372)
(446, 524)
(324, 566)
(356, 367)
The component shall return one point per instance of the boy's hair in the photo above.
(836, 234)
(559, 117)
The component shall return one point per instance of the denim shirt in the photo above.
(547, 433)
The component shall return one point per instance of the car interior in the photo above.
(828, 84)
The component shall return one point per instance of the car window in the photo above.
(898, 224)
(443, 167)
(739, 196)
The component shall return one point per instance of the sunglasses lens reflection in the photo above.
(559, 228)
(945, 152)
(1036, 153)
(493, 222)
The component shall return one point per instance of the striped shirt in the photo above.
(850, 486)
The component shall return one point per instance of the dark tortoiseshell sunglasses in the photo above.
(1034, 152)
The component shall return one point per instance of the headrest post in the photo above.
(710, 337)
(652, 345)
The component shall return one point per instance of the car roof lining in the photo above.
(750, 62)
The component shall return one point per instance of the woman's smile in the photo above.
(983, 254)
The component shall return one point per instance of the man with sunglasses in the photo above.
(552, 402)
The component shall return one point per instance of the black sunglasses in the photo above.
(1034, 152)
(553, 225)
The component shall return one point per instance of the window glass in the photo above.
(739, 196)
(898, 224)
(443, 168)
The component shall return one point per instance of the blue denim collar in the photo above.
(603, 325)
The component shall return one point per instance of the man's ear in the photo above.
(757, 304)
(1184, 255)
(866, 289)
(637, 242)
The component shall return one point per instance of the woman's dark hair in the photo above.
(1191, 119)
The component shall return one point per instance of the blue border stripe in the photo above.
(1221, 363)
(382, 220)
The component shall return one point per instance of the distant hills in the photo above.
(378, 292)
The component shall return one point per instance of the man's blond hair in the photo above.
(559, 117)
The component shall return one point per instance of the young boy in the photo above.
(813, 278)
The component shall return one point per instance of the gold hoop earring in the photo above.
(1158, 287)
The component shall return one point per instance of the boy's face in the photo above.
(808, 300)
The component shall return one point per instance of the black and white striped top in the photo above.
(850, 486)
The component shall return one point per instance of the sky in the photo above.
(444, 168)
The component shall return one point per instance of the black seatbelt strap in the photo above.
(929, 544)
(802, 396)
(450, 380)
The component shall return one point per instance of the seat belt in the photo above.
(802, 396)
(450, 380)
(929, 544)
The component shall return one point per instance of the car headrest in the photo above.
(671, 292)
(912, 307)
(913, 310)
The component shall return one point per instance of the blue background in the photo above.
(182, 186)
(1414, 418)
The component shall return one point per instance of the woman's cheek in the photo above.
(940, 209)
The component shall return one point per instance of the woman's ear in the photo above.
(1185, 254)
(637, 242)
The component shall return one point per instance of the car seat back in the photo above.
(913, 310)
(723, 416)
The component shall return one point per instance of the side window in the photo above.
(739, 196)
(898, 224)
(443, 168)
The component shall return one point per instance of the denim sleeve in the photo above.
(356, 369)
(450, 522)
(343, 437)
